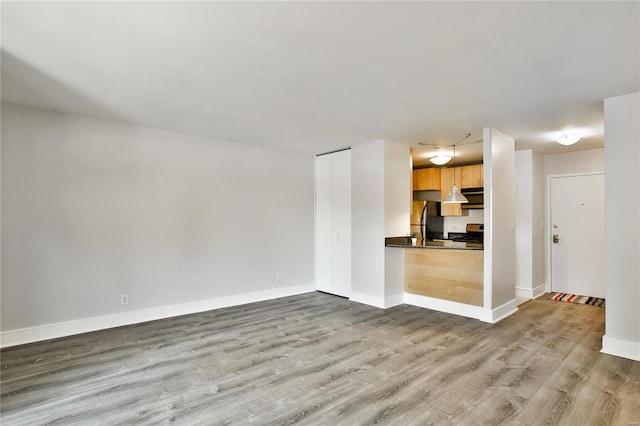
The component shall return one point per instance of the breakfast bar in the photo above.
(443, 269)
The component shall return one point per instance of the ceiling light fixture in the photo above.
(440, 159)
(455, 196)
(568, 139)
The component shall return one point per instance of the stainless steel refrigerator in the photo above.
(426, 220)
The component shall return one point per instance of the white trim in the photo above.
(539, 290)
(395, 300)
(367, 299)
(622, 348)
(85, 325)
(528, 293)
(487, 172)
(500, 313)
(524, 293)
(377, 301)
(456, 308)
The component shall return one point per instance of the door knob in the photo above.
(555, 239)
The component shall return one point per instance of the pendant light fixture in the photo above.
(455, 196)
(440, 159)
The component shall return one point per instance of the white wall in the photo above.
(367, 221)
(459, 223)
(591, 160)
(524, 223)
(397, 206)
(622, 195)
(93, 209)
(530, 272)
(499, 200)
(380, 207)
(538, 226)
(397, 189)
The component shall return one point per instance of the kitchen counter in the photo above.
(405, 242)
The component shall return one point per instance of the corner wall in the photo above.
(93, 209)
(397, 201)
(380, 207)
(538, 227)
(622, 195)
(499, 225)
(367, 223)
(529, 213)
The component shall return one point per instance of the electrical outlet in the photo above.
(278, 279)
(124, 299)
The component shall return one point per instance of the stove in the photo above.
(474, 234)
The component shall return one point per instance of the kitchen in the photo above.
(365, 195)
(455, 273)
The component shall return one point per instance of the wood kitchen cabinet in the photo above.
(426, 179)
(471, 176)
(446, 183)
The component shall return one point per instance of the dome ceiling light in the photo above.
(440, 158)
(568, 138)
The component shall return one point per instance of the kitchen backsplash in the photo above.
(459, 223)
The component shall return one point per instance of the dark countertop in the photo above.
(405, 242)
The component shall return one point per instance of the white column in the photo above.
(622, 192)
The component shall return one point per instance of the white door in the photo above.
(577, 235)
(333, 223)
(342, 223)
(324, 223)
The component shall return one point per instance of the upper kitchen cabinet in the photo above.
(471, 176)
(426, 179)
(446, 184)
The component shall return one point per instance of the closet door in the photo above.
(342, 223)
(333, 223)
(324, 223)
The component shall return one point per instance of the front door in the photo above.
(577, 235)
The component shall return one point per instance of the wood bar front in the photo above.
(455, 275)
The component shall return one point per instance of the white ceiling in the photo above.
(319, 76)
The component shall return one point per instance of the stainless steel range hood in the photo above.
(475, 197)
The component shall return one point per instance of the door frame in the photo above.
(547, 225)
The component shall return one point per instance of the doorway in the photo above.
(577, 234)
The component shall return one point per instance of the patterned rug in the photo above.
(573, 298)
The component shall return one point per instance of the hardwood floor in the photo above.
(316, 359)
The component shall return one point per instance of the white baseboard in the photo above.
(539, 290)
(501, 312)
(462, 309)
(622, 348)
(377, 301)
(531, 293)
(85, 325)
(367, 299)
(395, 300)
(470, 311)
(524, 293)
